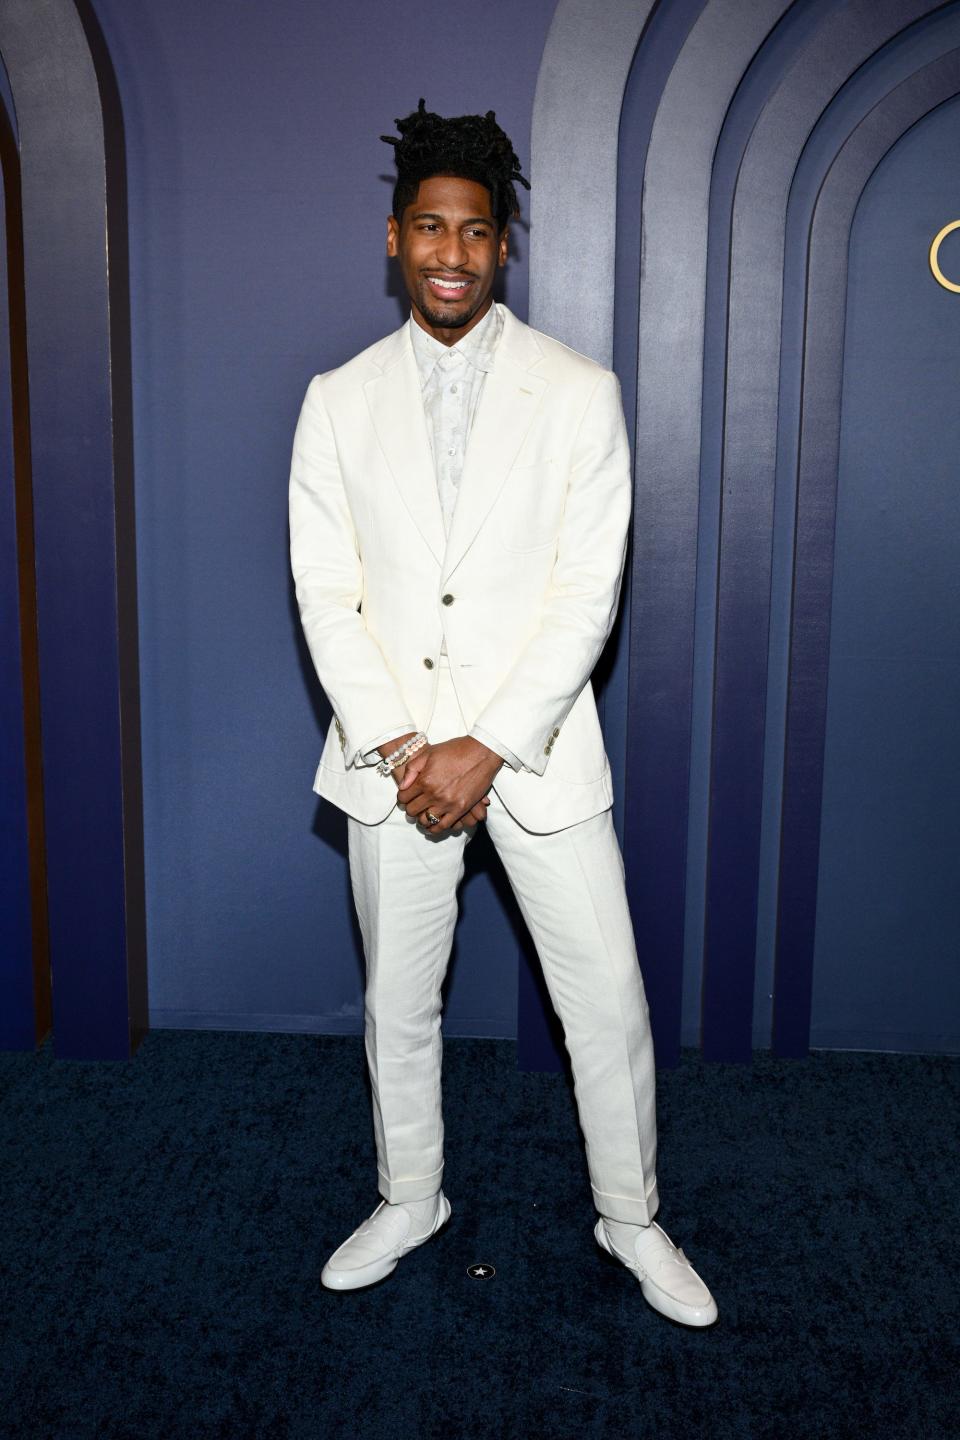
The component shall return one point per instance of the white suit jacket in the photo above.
(525, 588)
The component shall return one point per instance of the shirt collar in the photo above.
(477, 346)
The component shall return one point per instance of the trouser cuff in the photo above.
(627, 1208)
(419, 1187)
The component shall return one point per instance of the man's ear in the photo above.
(393, 234)
(503, 245)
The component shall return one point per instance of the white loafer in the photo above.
(373, 1250)
(668, 1281)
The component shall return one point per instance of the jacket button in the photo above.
(546, 749)
(447, 599)
(555, 734)
(428, 662)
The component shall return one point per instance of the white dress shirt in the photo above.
(451, 383)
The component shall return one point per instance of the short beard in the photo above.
(441, 321)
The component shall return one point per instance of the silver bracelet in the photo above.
(398, 757)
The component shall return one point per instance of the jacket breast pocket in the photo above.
(530, 506)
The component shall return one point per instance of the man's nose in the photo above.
(451, 251)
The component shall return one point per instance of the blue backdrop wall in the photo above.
(888, 918)
(258, 197)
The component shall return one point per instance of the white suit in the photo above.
(533, 564)
(523, 591)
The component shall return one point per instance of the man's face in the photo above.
(449, 250)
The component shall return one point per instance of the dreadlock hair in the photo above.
(471, 146)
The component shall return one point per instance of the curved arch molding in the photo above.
(77, 312)
(727, 51)
(817, 474)
(573, 154)
(844, 42)
(669, 390)
(573, 159)
(24, 955)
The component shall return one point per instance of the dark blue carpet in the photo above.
(163, 1224)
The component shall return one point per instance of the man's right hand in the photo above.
(404, 774)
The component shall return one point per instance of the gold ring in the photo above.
(432, 819)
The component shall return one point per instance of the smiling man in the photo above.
(459, 505)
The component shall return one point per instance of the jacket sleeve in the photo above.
(497, 746)
(325, 561)
(371, 754)
(539, 691)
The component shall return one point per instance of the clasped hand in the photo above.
(450, 780)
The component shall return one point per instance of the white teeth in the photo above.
(449, 284)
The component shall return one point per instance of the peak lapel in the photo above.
(511, 396)
(395, 403)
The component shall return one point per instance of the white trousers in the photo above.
(570, 889)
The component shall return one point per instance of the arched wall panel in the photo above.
(823, 354)
(24, 954)
(650, 71)
(77, 323)
(573, 153)
(845, 41)
(908, 51)
(765, 72)
(674, 228)
(556, 296)
(567, 221)
(713, 50)
(741, 183)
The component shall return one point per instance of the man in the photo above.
(459, 504)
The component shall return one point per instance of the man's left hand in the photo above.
(455, 776)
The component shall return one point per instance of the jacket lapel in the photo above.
(396, 409)
(511, 396)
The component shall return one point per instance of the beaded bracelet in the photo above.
(399, 757)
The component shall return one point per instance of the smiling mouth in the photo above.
(452, 288)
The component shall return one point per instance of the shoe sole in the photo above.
(669, 1309)
(341, 1281)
